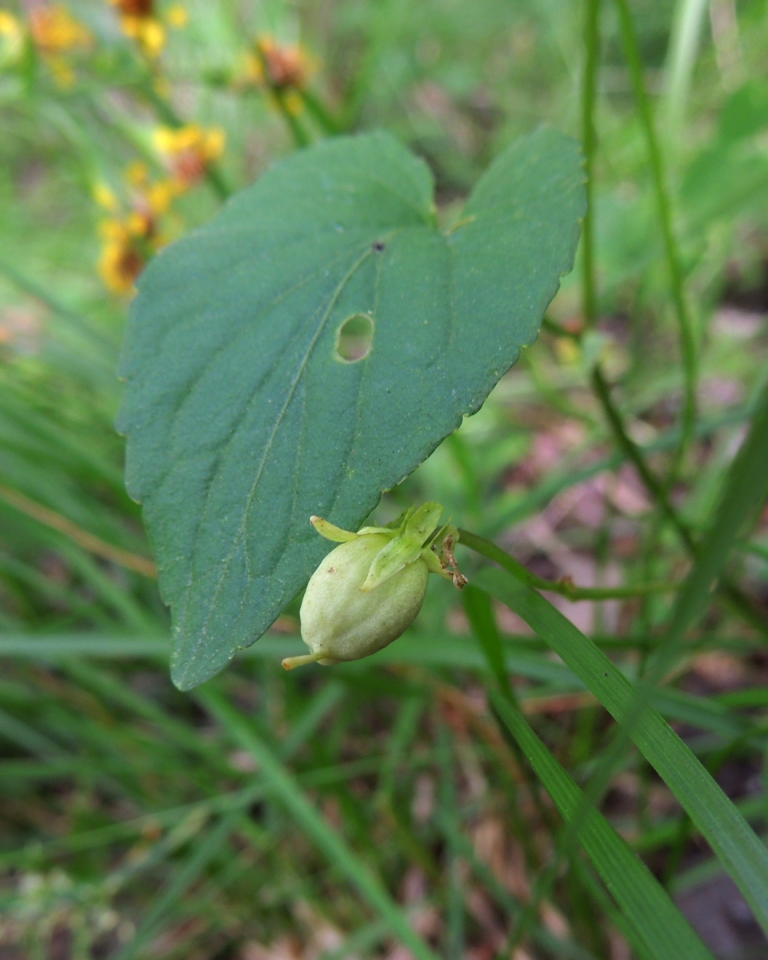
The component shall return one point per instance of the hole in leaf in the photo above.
(355, 338)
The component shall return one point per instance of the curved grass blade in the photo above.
(737, 847)
(656, 920)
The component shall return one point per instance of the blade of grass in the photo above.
(739, 849)
(448, 809)
(440, 651)
(326, 700)
(482, 619)
(681, 57)
(573, 474)
(479, 610)
(401, 736)
(288, 791)
(539, 934)
(589, 142)
(656, 920)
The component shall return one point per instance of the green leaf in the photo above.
(646, 905)
(242, 420)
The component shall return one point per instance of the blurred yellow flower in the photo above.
(141, 22)
(129, 242)
(189, 151)
(120, 265)
(54, 30)
(131, 234)
(147, 32)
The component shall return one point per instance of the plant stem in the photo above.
(300, 137)
(279, 95)
(733, 595)
(566, 588)
(589, 141)
(321, 113)
(687, 339)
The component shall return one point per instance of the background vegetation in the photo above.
(383, 808)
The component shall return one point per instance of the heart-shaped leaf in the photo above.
(243, 417)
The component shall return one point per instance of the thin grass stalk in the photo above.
(589, 141)
(664, 211)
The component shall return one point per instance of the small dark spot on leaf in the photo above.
(331, 569)
(378, 246)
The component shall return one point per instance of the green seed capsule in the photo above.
(367, 592)
(339, 621)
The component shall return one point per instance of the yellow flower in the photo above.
(189, 150)
(55, 30)
(131, 234)
(148, 33)
(120, 265)
(113, 229)
(129, 243)
(140, 21)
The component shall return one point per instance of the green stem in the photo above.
(300, 137)
(687, 338)
(737, 600)
(564, 587)
(632, 452)
(589, 141)
(330, 124)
